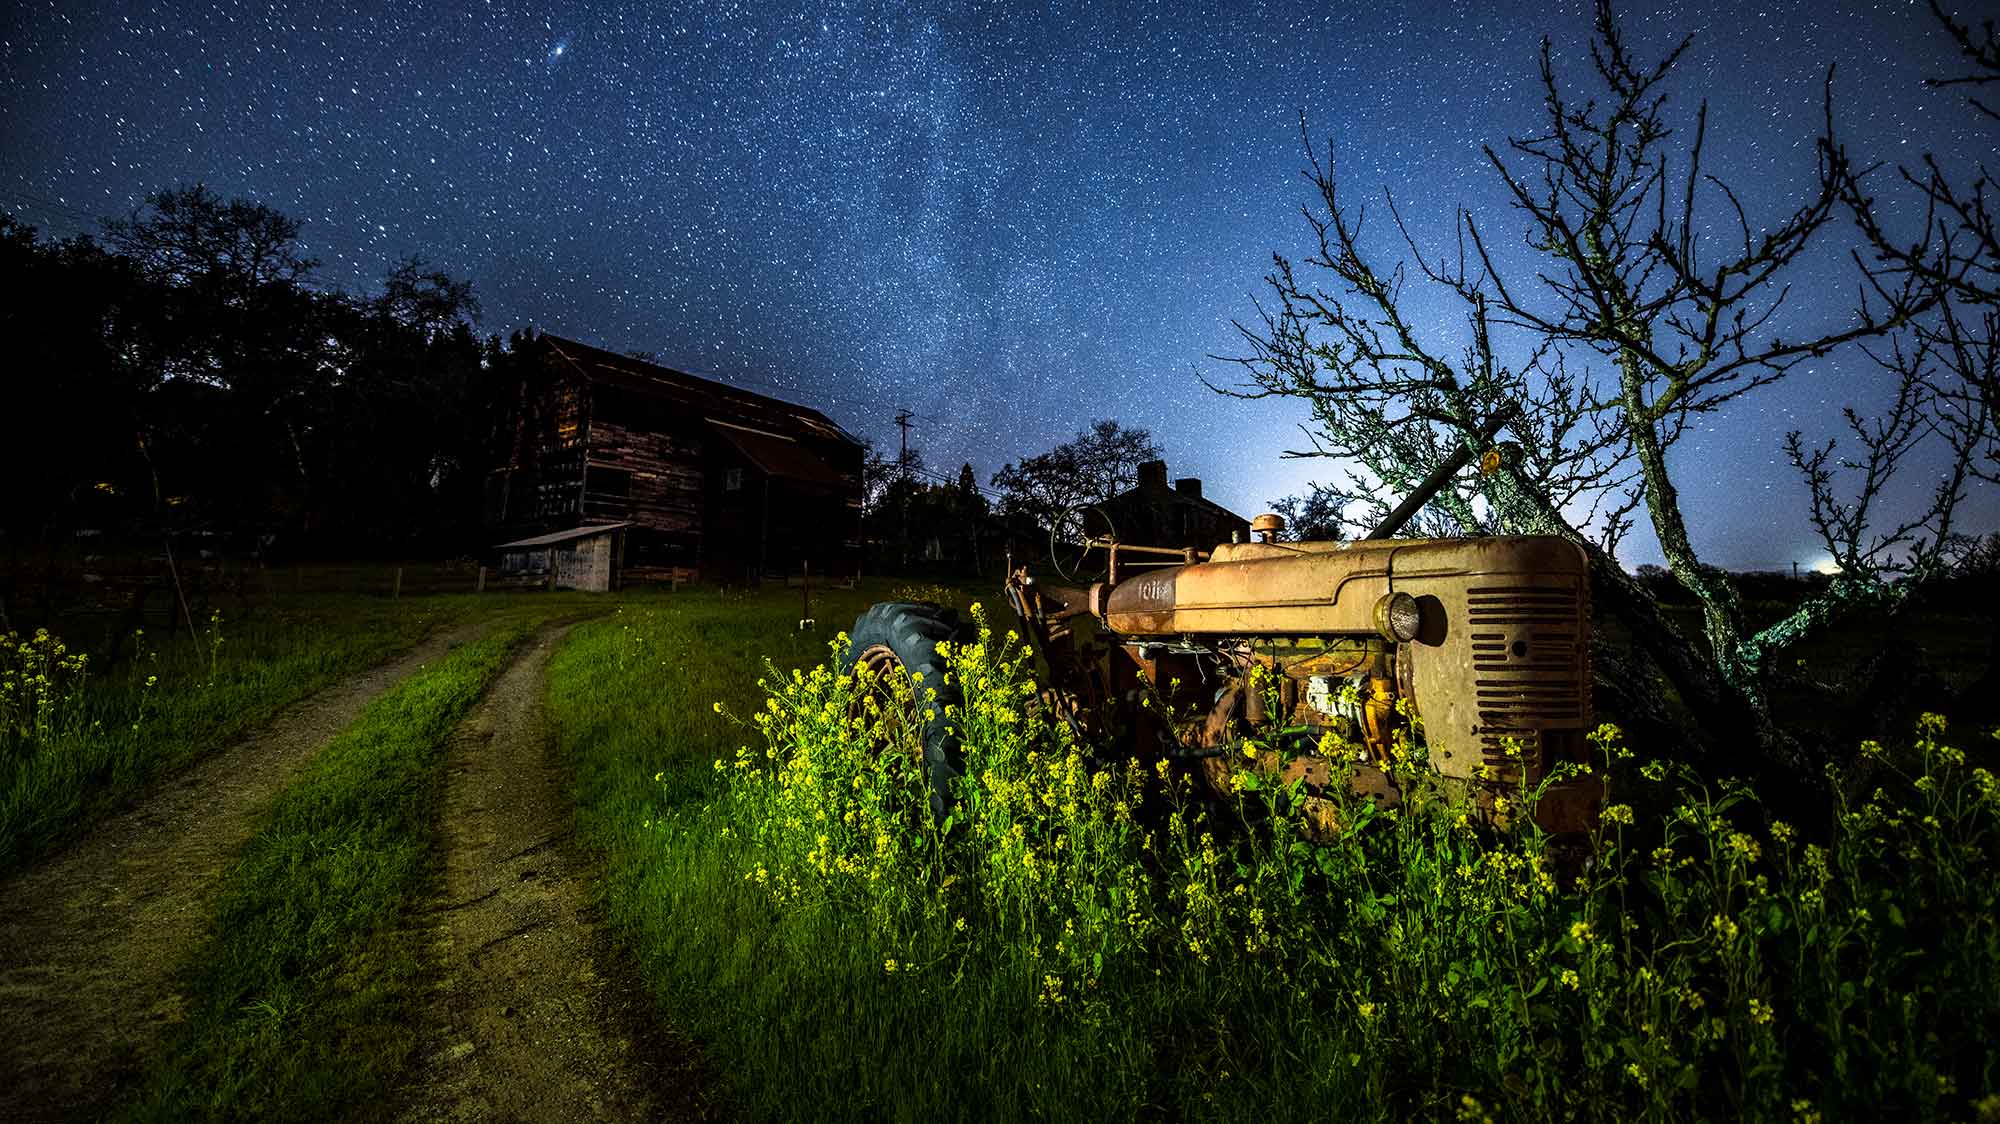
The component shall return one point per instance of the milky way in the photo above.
(1010, 220)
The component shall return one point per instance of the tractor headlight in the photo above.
(1398, 618)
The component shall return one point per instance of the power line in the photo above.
(953, 481)
(56, 205)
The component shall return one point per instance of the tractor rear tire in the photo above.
(902, 637)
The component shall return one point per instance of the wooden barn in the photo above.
(708, 481)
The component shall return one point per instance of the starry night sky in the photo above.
(1010, 219)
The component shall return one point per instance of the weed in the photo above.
(929, 591)
(1084, 939)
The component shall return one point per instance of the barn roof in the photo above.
(701, 397)
(554, 537)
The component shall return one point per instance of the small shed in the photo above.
(584, 558)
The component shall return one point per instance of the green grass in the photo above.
(300, 1003)
(84, 744)
(1078, 948)
(632, 695)
(100, 737)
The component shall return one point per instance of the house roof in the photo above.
(701, 397)
(1144, 495)
(554, 537)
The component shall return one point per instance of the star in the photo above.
(1009, 226)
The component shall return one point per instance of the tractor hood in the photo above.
(1325, 589)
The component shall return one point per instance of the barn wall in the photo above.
(646, 467)
(591, 446)
(662, 482)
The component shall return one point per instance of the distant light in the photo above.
(1826, 566)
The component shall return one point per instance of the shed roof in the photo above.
(701, 397)
(777, 455)
(554, 537)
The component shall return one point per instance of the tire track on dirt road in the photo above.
(535, 1018)
(93, 938)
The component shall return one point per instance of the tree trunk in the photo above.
(1668, 687)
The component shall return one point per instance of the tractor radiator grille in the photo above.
(1530, 669)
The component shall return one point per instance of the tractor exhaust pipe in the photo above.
(1441, 475)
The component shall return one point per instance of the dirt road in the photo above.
(92, 938)
(534, 1019)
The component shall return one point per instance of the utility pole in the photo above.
(903, 458)
(903, 468)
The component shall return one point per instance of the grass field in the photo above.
(1091, 943)
(1085, 940)
(77, 740)
(301, 1003)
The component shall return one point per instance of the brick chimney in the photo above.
(1153, 474)
(1188, 486)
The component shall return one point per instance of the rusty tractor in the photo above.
(1472, 651)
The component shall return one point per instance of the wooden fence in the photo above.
(126, 592)
(139, 591)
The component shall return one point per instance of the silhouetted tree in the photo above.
(1095, 465)
(185, 374)
(1316, 516)
(970, 499)
(1937, 230)
(71, 460)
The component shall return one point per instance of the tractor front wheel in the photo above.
(902, 638)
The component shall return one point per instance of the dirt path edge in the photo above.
(93, 937)
(535, 1016)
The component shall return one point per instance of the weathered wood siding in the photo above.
(584, 564)
(662, 488)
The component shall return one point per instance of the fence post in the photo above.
(481, 587)
(397, 593)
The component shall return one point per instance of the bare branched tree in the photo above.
(418, 295)
(1393, 402)
(1653, 299)
(1955, 249)
(1952, 358)
(189, 236)
(1683, 319)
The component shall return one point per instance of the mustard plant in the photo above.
(1301, 954)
